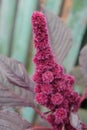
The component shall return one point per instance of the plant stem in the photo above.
(42, 115)
(41, 128)
(84, 95)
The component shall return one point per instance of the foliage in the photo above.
(53, 88)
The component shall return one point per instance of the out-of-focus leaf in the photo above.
(12, 121)
(83, 62)
(15, 72)
(59, 35)
(75, 121)
(83, 115)
(76, 72)
(80, 83)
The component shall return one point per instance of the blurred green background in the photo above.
(16, 33)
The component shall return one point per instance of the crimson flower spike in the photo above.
(54, 88)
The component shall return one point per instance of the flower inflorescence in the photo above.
(54, 88)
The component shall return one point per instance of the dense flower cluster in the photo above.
(54, 88)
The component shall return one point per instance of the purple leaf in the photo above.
(59, 35)
(83, 62)
(12, 121)
(14, 95)
(18, 97)
(16, 73)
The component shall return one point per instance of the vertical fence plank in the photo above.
(76, 22)
(22, 32)
(54, 6)
(0, 8)
(21, 40)
(7, 12)
(66, 9)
